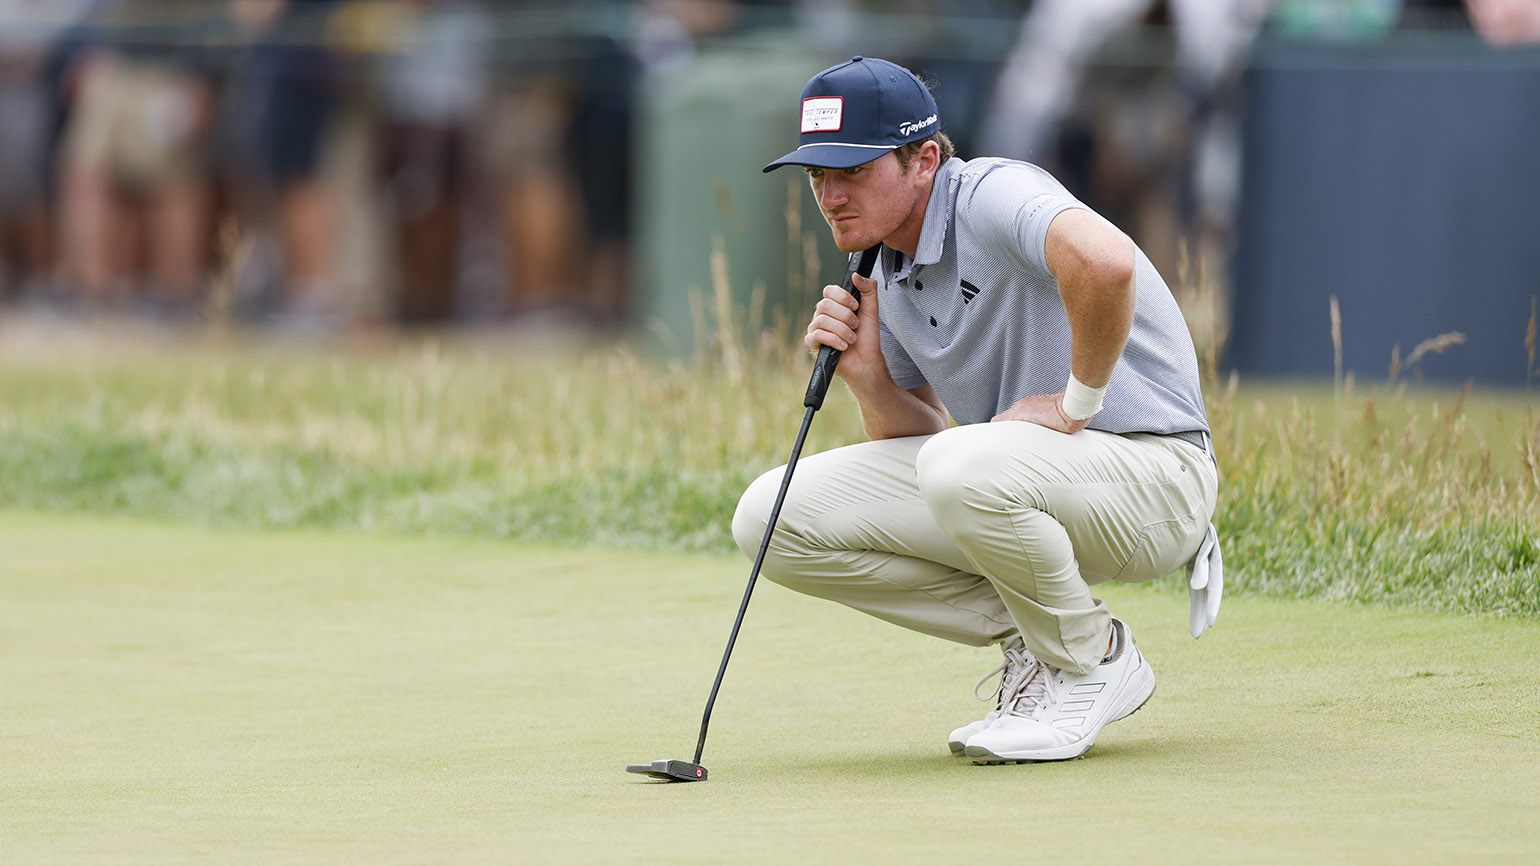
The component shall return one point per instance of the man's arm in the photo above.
(1094, 264)
(887, 410)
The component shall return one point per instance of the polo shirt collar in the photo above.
(937, 214)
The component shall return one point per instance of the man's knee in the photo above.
(948, 473)
(754, 511)
(953, 465)
(960, 470)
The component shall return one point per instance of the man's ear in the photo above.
(930, 157)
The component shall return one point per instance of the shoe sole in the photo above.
(1068, 752)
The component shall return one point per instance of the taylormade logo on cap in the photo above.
(854, 112)
(906, 127)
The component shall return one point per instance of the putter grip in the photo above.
(828, 356)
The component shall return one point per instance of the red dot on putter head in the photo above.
(699, 772)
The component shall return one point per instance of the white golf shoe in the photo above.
(1012, 671)
(1056, 716)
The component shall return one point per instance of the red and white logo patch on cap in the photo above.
(822, 113)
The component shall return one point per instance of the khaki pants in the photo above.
(138, 121)
(986, 531)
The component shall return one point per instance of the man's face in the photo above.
(867, 204)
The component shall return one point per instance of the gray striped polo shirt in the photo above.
(977, 314)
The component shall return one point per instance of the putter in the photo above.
(817, 388)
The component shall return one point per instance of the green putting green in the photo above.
(180, 695)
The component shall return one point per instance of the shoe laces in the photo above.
(1033, 691)
(1017, 660)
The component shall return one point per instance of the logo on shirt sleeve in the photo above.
(823, 113)
(1036, 204)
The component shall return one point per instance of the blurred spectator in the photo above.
(1160, 156)
(25, 120)
(433, 84)
(559, 138)
(1058, 38)
(522, 151)
(599, 138)
(1506, 22)
(135, 186)
(278, 106)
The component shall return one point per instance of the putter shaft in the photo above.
(818, 386)
(759, 560)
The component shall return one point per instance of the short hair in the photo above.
(907, 152)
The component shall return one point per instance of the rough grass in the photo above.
(1405, 496)
(1426, 498)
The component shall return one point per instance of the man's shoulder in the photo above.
(993, 189)
(989, 194)
(994, 175)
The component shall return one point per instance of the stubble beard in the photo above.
(847, 245)
(855, 241)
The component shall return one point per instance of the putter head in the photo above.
(671, 771)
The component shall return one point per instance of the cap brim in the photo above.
(829, 156)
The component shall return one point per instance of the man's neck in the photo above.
(906, 239)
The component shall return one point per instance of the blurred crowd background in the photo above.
(325, 165)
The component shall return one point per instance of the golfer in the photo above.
(1080, 452)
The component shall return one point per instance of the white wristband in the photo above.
(1081, 401)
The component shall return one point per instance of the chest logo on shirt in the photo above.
(969, 291)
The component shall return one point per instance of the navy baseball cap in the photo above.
(856, 111)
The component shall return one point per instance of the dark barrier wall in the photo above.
(1404, 180)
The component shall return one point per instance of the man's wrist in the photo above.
(1080, 400)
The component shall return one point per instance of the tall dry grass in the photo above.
(1393, 492)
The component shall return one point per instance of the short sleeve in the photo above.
(1011, 208)
(906, 374)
